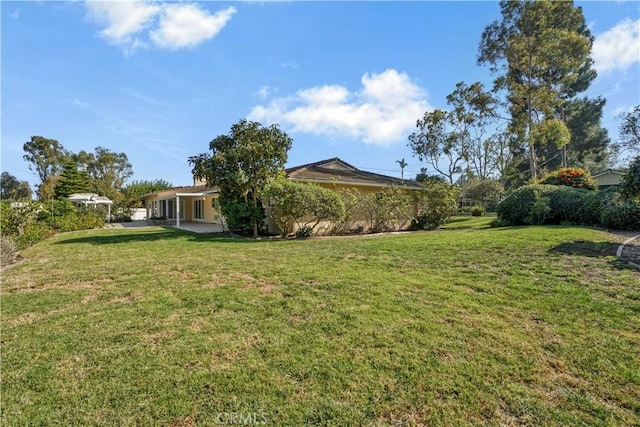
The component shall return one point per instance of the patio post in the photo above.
(177, 211)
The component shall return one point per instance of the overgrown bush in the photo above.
(436, 203)
(304, 205)
(515, 208)
(22, 222)
(477, 211)
(386, 210)
(621, 214)
(239, 214)
(304, 232)
(546, 204)
(8, 250)
(630, 185)
(570, 177)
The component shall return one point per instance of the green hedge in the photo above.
(551, 204)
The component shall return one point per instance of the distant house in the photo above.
(609, 178)
(198, 203)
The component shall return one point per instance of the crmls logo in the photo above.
(242, 418)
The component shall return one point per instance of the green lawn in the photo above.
(463, 326)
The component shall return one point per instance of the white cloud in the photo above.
(131, 24)
(123, 20)
(187, 25)
(78, 103)
(383, 112)
(618, 47)
(265, 92)
(15, 14)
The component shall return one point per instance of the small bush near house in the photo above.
(304, 232)
(239, 215)
(621, 214)
(570, 177)
(304, 205)
(436, 203)
(477, 211)
(386, 210)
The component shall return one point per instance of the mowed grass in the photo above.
(468, 326)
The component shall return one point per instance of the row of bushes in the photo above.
(552, 204)
(24, 224)
(310, 209)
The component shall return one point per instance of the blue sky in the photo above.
(344, 79)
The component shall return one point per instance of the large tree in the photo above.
(13, 189)
(630, 130)
(243, 161)
(455, 140)
(71, 180)
(540, 52)
(46, 158)
(108, 170)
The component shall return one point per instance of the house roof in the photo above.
(190, 190)
(611, 171)
(338, 171)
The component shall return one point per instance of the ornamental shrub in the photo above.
(305, 205)
(516, 207)
(630, 185)
(386, 210)
(570, 177)
(621, 214)
(436, 203)
(477, 211)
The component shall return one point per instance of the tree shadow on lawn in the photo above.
(149, 236)
(591, 250)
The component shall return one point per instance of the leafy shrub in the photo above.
(570, 177)
(539, 211)
(8, 250)
(477, 211)
(436, 203)
(386, 210)
(304, 205)
(621, 214)
(304, 231)
(78, 221)
(515, 208)
(630, 185)
(239, 214)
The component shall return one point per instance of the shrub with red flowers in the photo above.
(571, 177)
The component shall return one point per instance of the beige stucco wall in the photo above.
(608, 179)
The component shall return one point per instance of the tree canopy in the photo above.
(540, 52)
(13, 189)
(243, 161)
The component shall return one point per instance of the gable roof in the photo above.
(611, 171)
(338, 171)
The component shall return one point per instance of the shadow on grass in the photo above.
(591, 250)
(168, 233)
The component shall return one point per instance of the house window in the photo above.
(198, 209)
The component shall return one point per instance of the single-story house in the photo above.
(195, 203)
(198, 203)
(609, 178)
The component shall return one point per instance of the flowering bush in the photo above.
(571, 177)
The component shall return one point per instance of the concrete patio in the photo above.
(194, 227)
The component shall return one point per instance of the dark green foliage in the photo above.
(515, 208)
(630, 185)
(12, 189)
(46, 158)
(477, 211)
(137, 189)
(621, 214)
(547, 204)
(240, 215)
(304, 232)
(630, 130)
(243, 161)
(386, 210)
(72, 180)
